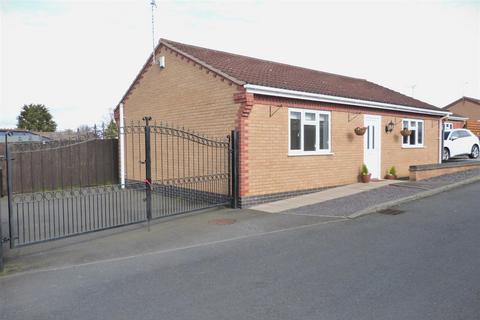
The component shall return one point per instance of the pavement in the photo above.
(166, 234)
(222, 224)
(419, 264)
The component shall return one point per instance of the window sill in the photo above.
(310, 154)
(413, 147)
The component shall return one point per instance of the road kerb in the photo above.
(420, 195)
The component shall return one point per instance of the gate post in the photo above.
(9, 201)
(9, 189)
(148, 169)
(234, 168)
(1, 234)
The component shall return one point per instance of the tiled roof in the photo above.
(283, 76)
(477, 101)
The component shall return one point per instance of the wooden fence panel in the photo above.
(474, 126)
(80, 164)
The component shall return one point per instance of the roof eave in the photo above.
(285, 93)
(457, 118)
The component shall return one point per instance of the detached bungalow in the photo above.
(299, 129)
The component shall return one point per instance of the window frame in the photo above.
(304, 122)
(448, 126)
(416, 145)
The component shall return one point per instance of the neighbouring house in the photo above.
(469, 108)
(22, 135)
(296, 126)
(16, 135)
(455, 121)
(68, 135)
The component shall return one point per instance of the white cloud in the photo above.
(78, 58)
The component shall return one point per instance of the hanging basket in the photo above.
(360, 131)
(405, 132)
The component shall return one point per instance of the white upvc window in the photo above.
(416, 137)
(309, 132)
(448, 126)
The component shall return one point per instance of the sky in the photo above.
(79, 57)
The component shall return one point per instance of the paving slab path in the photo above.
(321, 196)
(347, 200)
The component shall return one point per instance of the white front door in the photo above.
(372, 145)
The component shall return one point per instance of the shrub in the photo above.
(392, 171)
(364, 171)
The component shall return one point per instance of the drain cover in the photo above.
(391, 211)
(222, 222)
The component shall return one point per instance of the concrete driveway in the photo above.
(462, 159)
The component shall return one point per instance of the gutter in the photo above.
(441, 141)
(277, 92)
(457, 118)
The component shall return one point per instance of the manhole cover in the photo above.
(222, 222)
(391, 211)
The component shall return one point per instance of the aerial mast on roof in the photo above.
(154, 5)
(413, 86)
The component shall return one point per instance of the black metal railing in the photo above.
(66, 188)
(50, 215)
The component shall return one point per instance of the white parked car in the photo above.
(459, 142)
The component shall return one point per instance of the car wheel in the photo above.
(475, 152)
(446, 154)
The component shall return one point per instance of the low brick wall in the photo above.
(246, 202)
(422, 172)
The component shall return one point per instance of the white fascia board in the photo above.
(277, 92)
(457, 118)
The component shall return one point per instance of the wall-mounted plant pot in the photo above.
(365, 178)
(405, 132)
(360, 131)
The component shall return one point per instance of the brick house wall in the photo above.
(466, 108)
(457, 124)
(271, 170)
(393, 154)
(183, 94)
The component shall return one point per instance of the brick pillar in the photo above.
(246, 104)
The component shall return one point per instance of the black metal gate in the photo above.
(168, 171)
(183, 170)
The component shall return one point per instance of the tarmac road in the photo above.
(420, 264)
